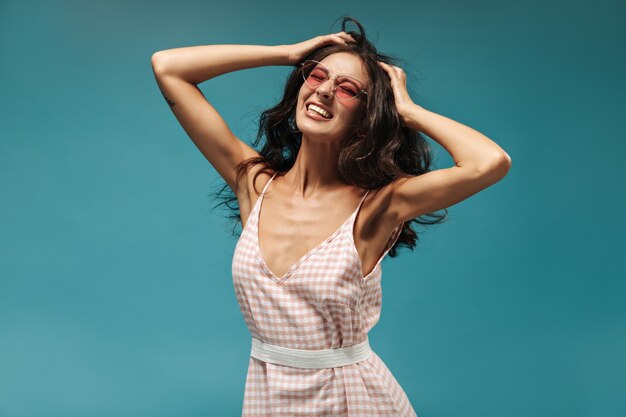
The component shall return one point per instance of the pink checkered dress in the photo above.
(321, 302)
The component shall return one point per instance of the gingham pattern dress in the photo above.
(321, 302)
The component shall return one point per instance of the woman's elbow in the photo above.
(497, 168)
(157, 62)
(501, 166)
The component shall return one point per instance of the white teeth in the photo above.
(319, 110)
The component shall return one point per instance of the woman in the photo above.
(343, 171)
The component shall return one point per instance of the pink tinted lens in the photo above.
(316, 76)
(347, 89)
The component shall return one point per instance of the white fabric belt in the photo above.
(304, 358)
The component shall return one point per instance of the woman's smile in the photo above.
(317, 113)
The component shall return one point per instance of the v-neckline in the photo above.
(304, 257)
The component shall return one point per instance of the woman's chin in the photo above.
(316, 128)
(313, 131)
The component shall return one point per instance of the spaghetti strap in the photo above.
(268, 183)
(362, 200)
(355, 213)
(394, 238)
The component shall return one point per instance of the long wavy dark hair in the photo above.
(377, 152)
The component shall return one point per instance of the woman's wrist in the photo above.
(413, 115)
(286, 56)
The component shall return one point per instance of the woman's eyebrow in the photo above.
(339, 75)
(327, 70)
(349, 79)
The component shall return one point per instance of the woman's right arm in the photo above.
(178, 71)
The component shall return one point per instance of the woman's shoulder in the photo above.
(258, 177)
(255, 179)
(378, 209)
(251, 185)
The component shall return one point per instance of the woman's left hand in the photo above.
(404, 104)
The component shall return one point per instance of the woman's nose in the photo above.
(327, 88)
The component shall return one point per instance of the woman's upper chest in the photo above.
(288, 228)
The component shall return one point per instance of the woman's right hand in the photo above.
(296, 52)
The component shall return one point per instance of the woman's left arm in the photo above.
(468, 147)
(479, 162)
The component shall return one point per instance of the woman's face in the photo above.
(342, 115)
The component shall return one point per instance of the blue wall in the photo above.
(115, 291)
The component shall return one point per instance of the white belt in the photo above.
(304, 358)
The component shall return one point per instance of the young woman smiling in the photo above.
(349, 171)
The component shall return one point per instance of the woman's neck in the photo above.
(315, 169)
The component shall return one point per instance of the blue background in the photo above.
(116, 296)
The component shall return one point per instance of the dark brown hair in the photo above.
(377, 152)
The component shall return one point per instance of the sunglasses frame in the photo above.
(358, 95)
